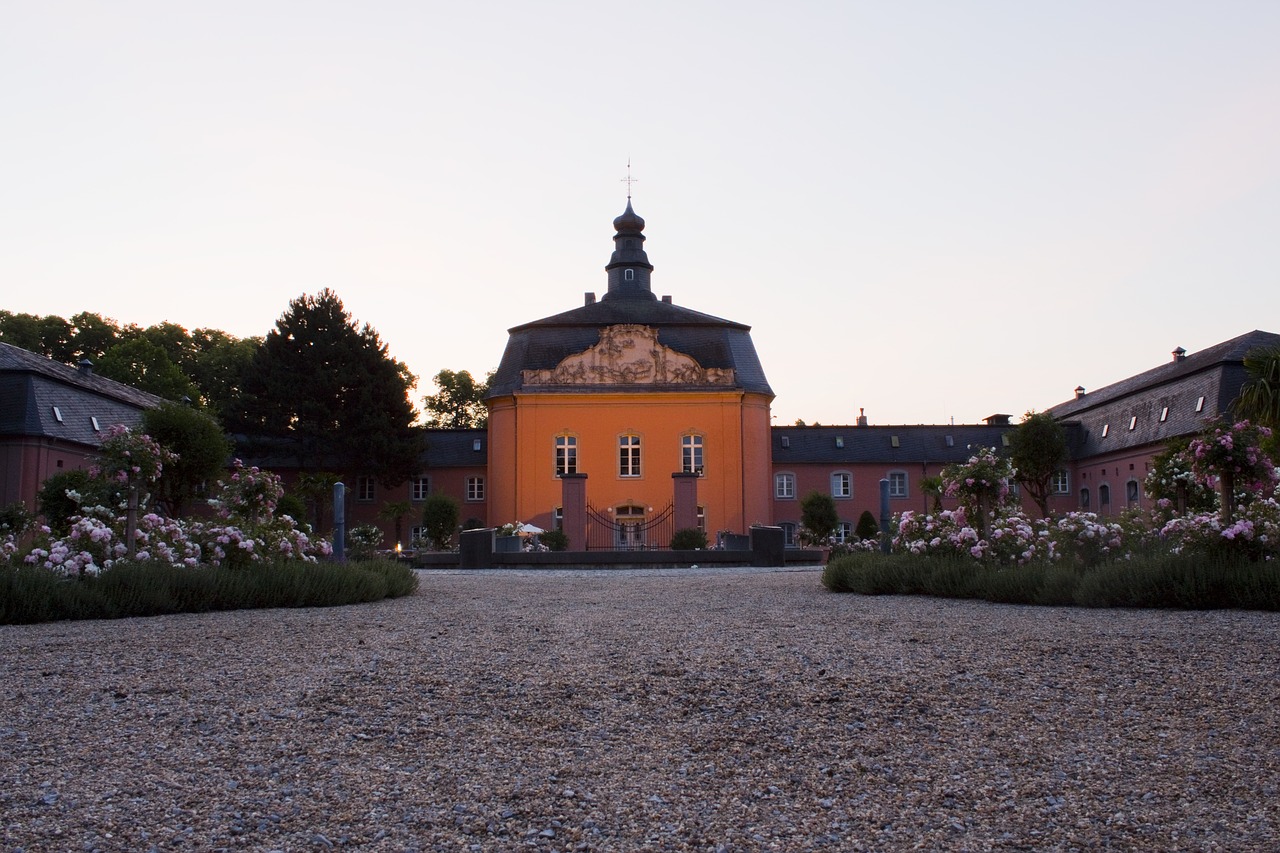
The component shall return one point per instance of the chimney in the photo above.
(590, 298)
(862, 416)
(1179, 354)
(666, 298)
(86, 367)
(1079, 391)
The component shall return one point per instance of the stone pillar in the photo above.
(573, 502)
(686, 499)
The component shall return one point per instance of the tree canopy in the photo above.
(1038, 450)
(331, 388)
(460, 402)
(202, 449)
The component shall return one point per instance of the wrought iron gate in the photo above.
(618, 532)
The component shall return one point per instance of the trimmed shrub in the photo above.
(29, 594)
(688, 539)
(555, 540)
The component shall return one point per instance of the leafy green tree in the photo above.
(203, 453)
(57, 506)
(330, 387)
(49, 335)
(220, 366)
(92, 335)
(818, 516)
(1038, 450)
(440, 520)
(460, 401)
(144, 365)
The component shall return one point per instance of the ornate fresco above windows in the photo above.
(629, 355)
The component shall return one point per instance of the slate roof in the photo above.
(35, 390)
(711, 341)
(1162, 403)
(802, 445)
(455, 448)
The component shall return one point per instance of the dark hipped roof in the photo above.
(1166, 402)
(35, 390)
(849, 445)
(711, 341)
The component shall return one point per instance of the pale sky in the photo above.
(930, 210)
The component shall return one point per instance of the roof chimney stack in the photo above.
(589, 298)
(86, 367)
(1179, 354)
(1079, 391)
(862, 416)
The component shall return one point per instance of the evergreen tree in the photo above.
(331, 388)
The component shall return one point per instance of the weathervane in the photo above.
(628, 180)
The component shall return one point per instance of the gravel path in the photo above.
(710, 710)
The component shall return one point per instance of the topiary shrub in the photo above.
(818, 517)
(867, 527)
(688, 539)
(440, 521)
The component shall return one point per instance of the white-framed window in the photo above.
(1059, 484)
(628, 455)
(629, 275)
(897, 484)
(691, 454)
(364, 489)
(1106, 428)
(475, 488)
(702, 518)
(418, 534)
(841, 485)
(419, 488)
(784, 486)
(557, 518)
(844, 531)
(566, 455)
(1200, 404)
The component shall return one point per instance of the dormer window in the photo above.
(629, 275)
(475, 445)
(839, 441)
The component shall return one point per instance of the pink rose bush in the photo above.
(247, 531)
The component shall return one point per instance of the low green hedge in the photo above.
(152, 588)
(1187, 581)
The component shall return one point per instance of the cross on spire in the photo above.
(628, 180)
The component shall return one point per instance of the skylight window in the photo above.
(94, 421)
(57, 413)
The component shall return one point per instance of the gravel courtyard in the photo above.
(661, 710)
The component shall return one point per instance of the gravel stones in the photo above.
(657, 710)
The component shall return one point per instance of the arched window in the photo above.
(628, 275)
(1104, 495)
(1132, 492)
(1084, 498)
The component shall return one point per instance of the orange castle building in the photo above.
(633, 405)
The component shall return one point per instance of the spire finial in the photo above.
(628, 180)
